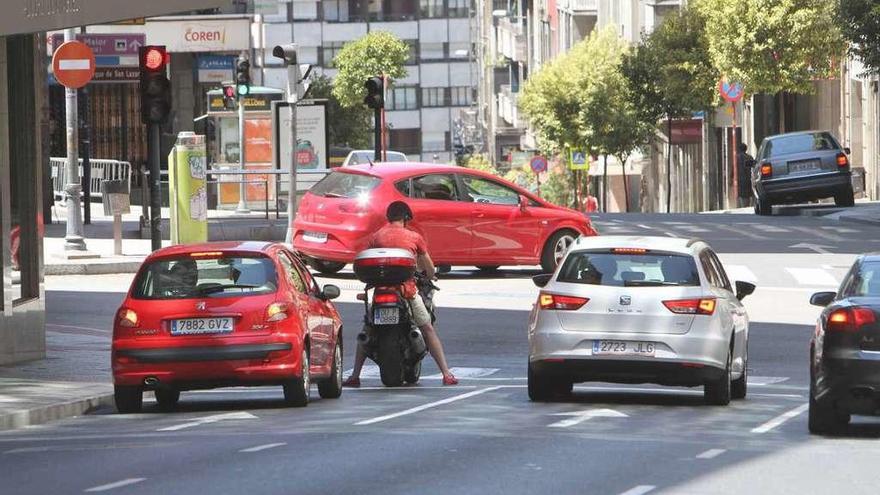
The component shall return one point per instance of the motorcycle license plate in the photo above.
(386, 316)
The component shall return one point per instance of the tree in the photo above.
(349, 127)
(670, 74)
(772, 46)
(859, 22)
(376, 53)
(480, 162)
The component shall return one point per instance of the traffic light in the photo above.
(229, 96)
(155, 86)
(242, 77)
(375, 93)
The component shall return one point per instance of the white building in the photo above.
(421, 108)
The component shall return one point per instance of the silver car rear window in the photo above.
(801, 143)
(629, 269)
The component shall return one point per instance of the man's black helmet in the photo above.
(398, 211)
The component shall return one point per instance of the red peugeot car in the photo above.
(468, 217)
(222, 314)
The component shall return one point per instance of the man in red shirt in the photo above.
(396, 235)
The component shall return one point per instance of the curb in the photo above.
(54, 412)
(859, 221)
(92, 268)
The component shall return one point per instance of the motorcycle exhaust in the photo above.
(417, 344)
(151, 381)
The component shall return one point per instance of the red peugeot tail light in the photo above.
(127, 318)
(564, 303)
(697, 306)
(849, 319)
(766, 169)
(277, 312)
(386, 298)
(842, 160)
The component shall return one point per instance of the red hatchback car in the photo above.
(222, 314)
(468, 217)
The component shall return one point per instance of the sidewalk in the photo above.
(864, 212)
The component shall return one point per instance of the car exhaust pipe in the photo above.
(417, 344)
(151, 381)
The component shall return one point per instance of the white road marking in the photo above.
(742, 231)
(740, 272)
(263, 447)
(116, 484)
(769, 228)
(670, 234)
(429, 405)
(639, 490)
(782, 418)
(462, 372)
(813, 233)
(644, 226)
(766, 380)
(817, 248)
(585, 415)
(812, 276)
(711, 453)
(209, 419)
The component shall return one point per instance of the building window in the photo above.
(402, 98)
(459, 8)
(434, 97)
(336, 10)
(393, 10)
(461, 96)
(413, 46)
(329, 52)
(404, 141)
(432, 8)
(303, 10)
(460, 49)
(433, 141)
(432, 51)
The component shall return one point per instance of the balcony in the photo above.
(512, 40)
(579, 7)
(507, 108)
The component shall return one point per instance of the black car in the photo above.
(798, 167)
(845, 349)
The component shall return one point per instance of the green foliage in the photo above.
(349, 127)
(480, 162)
(772, 45)
(859, 22)
(557, 189)
(670, 73)
(374, 54)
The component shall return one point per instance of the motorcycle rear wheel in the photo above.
(390, 360)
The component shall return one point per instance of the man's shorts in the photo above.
(420, 314)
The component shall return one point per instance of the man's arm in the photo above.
(427, 265)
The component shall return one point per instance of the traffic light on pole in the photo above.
(242, 77)
(375, 98)
(155, 87)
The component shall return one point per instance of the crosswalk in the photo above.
(750, 230)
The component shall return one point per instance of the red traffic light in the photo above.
(229, 91)
(155, 58)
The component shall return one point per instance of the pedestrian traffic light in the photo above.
(155, 87)
(242, 77)
(375, 93)
(229, 96)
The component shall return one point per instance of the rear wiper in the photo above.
(646, 283)
(221, 288)
(333, 195)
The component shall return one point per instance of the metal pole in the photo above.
(73, 240)
(291, 189)
(377, 122)
(155, 189)
(86, 153)
(242, 187)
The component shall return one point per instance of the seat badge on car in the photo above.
(201, 305)
(625, 300)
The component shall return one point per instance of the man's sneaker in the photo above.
(352, 382)
(450, 380)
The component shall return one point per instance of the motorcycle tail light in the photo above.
(386, 298)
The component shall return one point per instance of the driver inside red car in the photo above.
(396, 235)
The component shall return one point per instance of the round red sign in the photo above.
(73, 64)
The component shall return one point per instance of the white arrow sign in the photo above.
(209, 419)
(579, 417)
(813, 247)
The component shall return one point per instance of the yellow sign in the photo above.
(187, 166)
(578, 160)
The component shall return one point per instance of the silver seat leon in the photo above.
(639, 310)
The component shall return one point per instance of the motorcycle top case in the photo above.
(383, 266)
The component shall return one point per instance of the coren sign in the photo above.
(33, 16)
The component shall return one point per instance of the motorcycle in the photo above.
(390, 337)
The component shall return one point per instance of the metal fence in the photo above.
(101, 170)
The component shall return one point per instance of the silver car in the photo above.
(639, 310)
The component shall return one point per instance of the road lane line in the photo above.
(116, 484)
(782, 418)
(742, 231)
(208, 420)
(427, 406)
(812, 276)
(711, 453)
(639, 490)
(263, 447)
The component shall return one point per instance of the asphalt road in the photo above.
(483, 436)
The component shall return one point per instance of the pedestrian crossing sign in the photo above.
(578, 160)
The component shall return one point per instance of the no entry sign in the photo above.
(73, 64)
